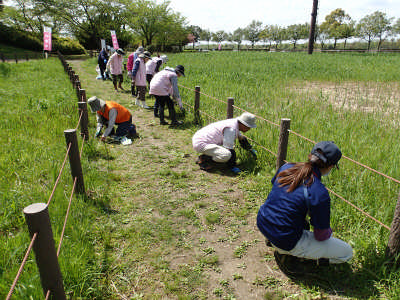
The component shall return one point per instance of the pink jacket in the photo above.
(140, 78)
(161, 84)
(213, 134)
(115, 64)
(151, 65)
(129, 64)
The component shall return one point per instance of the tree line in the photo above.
(338, 25)
(140, 22)
(158, 27)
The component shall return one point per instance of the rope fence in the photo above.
(37, 215)
(282, 147)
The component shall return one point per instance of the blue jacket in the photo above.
(282, 217)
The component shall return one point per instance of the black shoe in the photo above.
(176, 123)
(163, 122)
(156, 115)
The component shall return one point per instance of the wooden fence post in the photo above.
(75, 160)
(16, 58)
(38, 220)
(83, 95)
(197, 104)
(84, 120)
(393, 247)
(283, 142)
(229, 108)
(78, 90)
(3, 57)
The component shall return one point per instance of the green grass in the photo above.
(279, 85)
(128, 234)
(38, 104)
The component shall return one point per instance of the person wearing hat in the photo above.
(129, 65)
(153, 66)
(297, 191)
(114, 64)
(110, 113)
(163, 85)
(216, 141)
(139, 78)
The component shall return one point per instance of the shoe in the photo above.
(163, 122)
(203, 158)
(156, 115)
(205, 166)
(236, 170)
(176, 123)
(144, 105)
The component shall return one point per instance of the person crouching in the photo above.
(110, 113)
(216, 141)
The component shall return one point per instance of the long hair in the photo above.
(300, 173)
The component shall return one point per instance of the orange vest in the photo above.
(123, 114)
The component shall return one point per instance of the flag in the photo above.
(114, 39)
(46, 38)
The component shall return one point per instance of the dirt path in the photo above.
(177, 231)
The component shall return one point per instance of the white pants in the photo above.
(218, 153)
(308, 247)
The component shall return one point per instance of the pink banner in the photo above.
(114, 39)
(47, 39)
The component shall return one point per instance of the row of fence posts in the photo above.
(393, 246)
(37, 214)
(15, 57)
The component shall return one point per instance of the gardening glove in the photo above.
(105, 61)
(244, 143)
(253, 152)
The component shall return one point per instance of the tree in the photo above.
(277, 35)
(265, 35)
(88, 20)
(219, 36)
(375, 25)
(321, 35)
(297, 32)
(238, 36)
(396, 27)
(148, 19)
(337, 25)
(194, 33)
(206, 35)
(252, 32)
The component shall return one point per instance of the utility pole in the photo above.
(312, 27)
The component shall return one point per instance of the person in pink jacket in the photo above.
(114, 64)
(164, 85)
(129, 65)
(216, 141)
(139, 78)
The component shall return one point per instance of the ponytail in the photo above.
(300, 173)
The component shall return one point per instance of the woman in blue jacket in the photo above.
(297, 192)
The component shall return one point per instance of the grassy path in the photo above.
(174, 230)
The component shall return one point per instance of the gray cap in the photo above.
(328, 152)
(96, 104)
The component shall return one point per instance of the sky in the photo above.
(229, 15)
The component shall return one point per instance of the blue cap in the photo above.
(328, 152)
